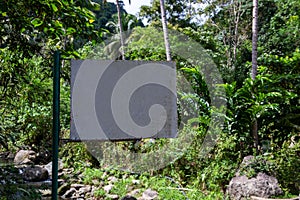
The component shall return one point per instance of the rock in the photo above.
(104, 175)
(77, 185)
(69, 193)
(10, 156)
(134, 192)
(96, 182)
(63, 188)
(112, 196)
(3, 155)
(76, 196)
(150, 194)
(48, 167)
(108, 188)
(112, 179)
(246, 161)
(46, 192)
(61, 181)
(25, 157)
(93, 190)
(262, 185)
(35, 173)
(128, 197)
(84, 190)
(135, 182)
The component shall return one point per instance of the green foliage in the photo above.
(281, 35)
(258, 164)
(179, 12)
(76, 156)
(100, 193)
(287, 166)
(218, 167)
(271, 99)
(128, 22)
(26, 101)
(104, 14)
(64, 24)
(26, 93)
(92, 174)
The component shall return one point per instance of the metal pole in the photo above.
(56, 125)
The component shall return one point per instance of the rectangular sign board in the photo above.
(123, 100)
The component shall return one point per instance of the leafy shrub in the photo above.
(25, 86)
(287, 164)
(258, 164)
(76, 156)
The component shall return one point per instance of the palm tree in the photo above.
(254, 63)
(114, 45)
(165, 29)
(128, 23)
(254, 39)
(120, 29)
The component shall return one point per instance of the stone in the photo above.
(63, 188)
(108, 188)
(128, 197)
(246, 161)
(46, 192)
(35, 173)
(93, 189)
(112, 179)
(10, 156)
(61, 181)
(96, 182)
(69, 193)
(77, 185)
(263, 185)
(3, 155)
(104, 175)
(48, 167)
(84, 190)
(135, 182)
(113, 196)
(134, 192)
(150, 194)
(25, 157)
(75, 195)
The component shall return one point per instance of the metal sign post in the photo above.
(56, 125)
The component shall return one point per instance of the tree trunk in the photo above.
(254, 64)
(120, 29)
(165, 29)
(254, 39)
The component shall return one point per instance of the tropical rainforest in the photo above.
(253, 46)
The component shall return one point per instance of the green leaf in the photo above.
(37, 22)
(54, 8)
(71, 30)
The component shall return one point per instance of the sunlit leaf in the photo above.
(36, 22)
(54, 8)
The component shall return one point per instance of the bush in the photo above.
(287, 167)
